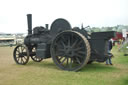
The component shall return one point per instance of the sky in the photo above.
(95, 13)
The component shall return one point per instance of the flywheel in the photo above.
(58, 26)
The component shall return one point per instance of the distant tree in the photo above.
(117, 28)
(96, 29)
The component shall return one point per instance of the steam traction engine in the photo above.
(70, 48)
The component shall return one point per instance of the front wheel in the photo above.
(21, 55)
(34, 57)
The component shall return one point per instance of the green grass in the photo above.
(46, 72)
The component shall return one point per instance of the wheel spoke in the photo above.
(62, 37)
(67, 61)
(25, 57)
(77, 55)
(71, 61)
(71, 37)
(69, 41)
(63, 43)
(60, 57)
(36, 58)
(79, 43)
(78, 60)
(17, 54)
(18, 50)
(17, 58)
(63, 61)
(62, 50)
(22, 61)
(78, 48)
(73, 45)
(81, 52)
(23, 49)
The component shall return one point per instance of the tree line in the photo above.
(117, 28)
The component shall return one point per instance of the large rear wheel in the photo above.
(70, 50)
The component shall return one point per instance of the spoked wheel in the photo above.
(70, 50)
(35, 58)
(21, 55)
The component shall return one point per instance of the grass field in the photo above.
(46, 72)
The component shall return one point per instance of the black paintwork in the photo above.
(42, 35)
(42, 40)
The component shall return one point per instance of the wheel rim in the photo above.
(35, 58)
(70, 50)
(20, 54)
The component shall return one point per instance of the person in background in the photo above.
(108, 61)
